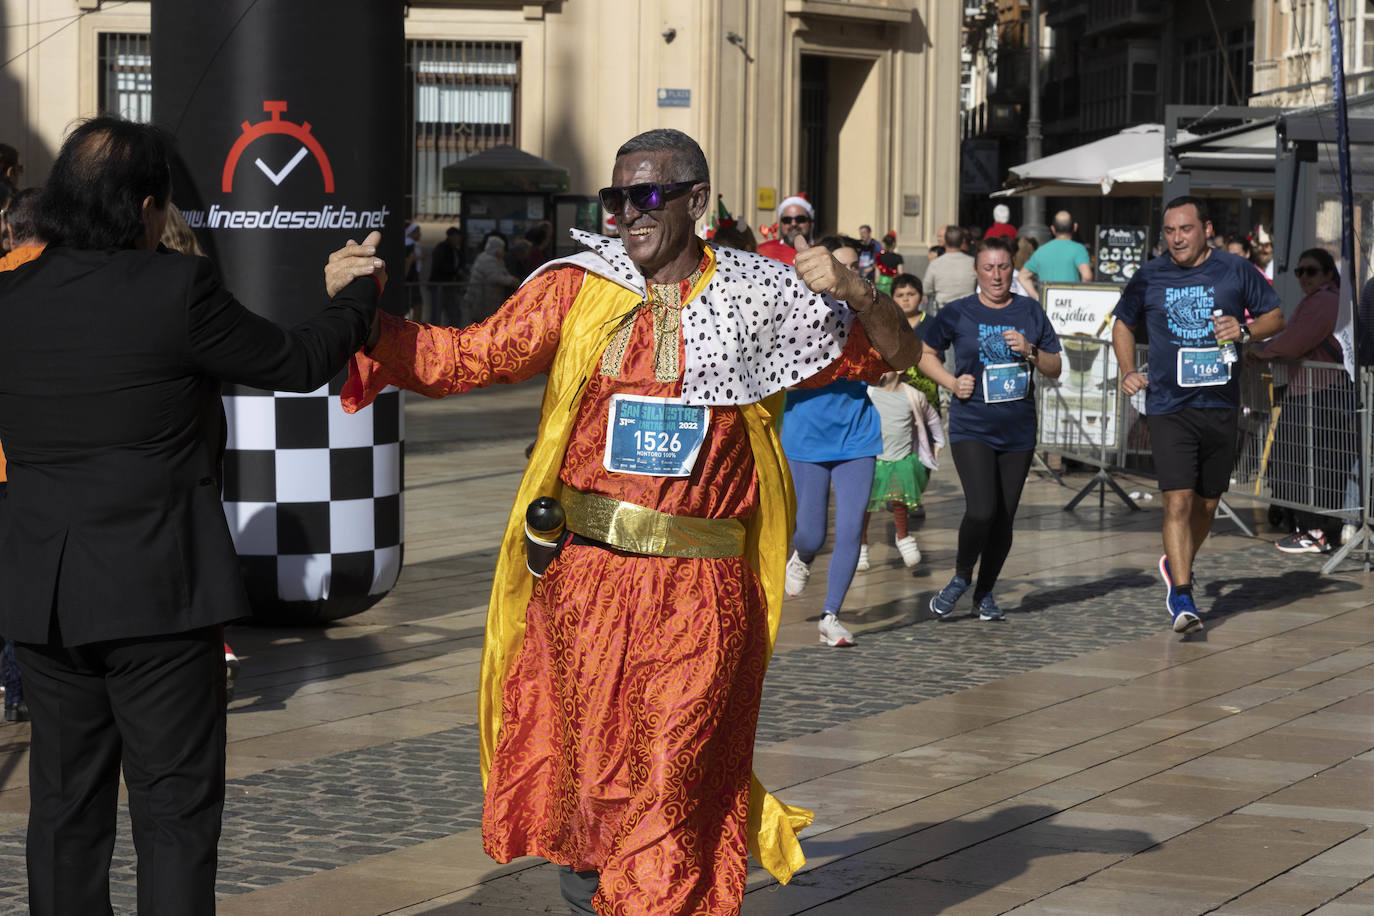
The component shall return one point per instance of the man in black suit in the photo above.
(117, 571)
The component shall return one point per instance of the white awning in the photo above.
(1130, 164)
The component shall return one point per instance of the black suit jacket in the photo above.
(110, 370)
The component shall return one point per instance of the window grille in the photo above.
(1203, 78)
(465, 98)
(126, 75)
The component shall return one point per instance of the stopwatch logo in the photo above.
(275, 125)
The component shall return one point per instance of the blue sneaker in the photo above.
(1184, 612)
(1180, 607)
(988, 609)
(943, 603)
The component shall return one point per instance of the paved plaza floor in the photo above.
(1078, 758)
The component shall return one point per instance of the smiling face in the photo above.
(1185, 234)
(994, 274)
(1311, 275)
(661, 242)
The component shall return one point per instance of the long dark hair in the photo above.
(94, 195)
(1324, 261)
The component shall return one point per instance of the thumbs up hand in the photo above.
(823, 274)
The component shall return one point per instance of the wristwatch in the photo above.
(1244, 333)
(1034, 353)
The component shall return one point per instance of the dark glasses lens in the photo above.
(643, 197)
(1306, 271)
(789, 220)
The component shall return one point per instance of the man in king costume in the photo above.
(620, 691)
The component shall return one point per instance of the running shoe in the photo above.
(911, 554)
(1304, 542)
(988, 609)
(833, 632)
(794, 581)
(1184, 613)
(943, 603)
(1168, 578)
(863, 558)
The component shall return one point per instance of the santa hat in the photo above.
(797, 200)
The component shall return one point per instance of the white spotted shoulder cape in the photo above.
(755, 330)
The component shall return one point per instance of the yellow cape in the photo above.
(773, 826)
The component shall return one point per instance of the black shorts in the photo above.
(1195, 449)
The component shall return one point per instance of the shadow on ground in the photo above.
(960, 858)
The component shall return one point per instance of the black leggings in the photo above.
(992, 482)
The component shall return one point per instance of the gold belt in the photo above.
(638, 529)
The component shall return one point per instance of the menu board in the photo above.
(1078, 410)
(1120, 252)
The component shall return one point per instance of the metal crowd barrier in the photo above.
(1305, 439)
(1081, 415)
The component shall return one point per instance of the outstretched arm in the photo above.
(882, 319)
(516, 343)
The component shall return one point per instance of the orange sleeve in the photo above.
(858, 361)
(516, 343)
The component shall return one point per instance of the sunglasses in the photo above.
(1306, 271)
(789, 220)
(643, 197)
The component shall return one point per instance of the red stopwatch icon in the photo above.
(275, 125)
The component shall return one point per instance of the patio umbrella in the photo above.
(1130, 164)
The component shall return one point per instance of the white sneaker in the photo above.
(911, 554)
(833, 632)
(794, 582)
(863, 557)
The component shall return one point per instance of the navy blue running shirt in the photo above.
(1176, 304)
(976, 333)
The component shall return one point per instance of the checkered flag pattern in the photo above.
(313, 499)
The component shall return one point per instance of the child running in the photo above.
(912, 440)
(909, 293)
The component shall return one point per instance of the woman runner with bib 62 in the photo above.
(998, 338)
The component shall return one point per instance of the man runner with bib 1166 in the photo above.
(1192, 302)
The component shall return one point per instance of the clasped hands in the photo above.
(1016, 342)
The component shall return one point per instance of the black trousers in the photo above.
(156, 705)
(992, 482)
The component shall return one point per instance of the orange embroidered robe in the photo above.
(628, 714)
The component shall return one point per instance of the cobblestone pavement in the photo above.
(289, 822)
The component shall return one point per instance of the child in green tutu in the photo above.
(912, 440)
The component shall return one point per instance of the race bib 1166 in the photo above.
(1200, 367)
